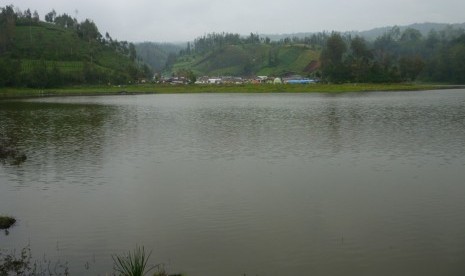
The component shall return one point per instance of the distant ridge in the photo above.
(372, 34)
(424, 28)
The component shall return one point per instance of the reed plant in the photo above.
(133, 263)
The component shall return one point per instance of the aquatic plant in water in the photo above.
(6, 222)
(132, 264)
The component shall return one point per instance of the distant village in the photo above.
(295, 79)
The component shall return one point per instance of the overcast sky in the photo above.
(182, 20)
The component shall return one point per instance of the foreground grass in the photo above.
(245, 88)
(134, 263)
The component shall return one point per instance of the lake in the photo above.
(233, 184)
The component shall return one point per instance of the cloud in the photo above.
(177, 20)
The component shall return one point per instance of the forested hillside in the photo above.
(61, 51)
(398, 55)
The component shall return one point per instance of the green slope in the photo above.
(250, 59)
(64, 48)
(45, 54)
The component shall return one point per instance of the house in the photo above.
(296, 79)
(215, 81)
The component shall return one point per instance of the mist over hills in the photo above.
(372, 34)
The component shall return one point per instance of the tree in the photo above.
(35, 17)
(170, 60)
(457, 65)
(335, 49)
(273, 56)
(132, 52)
(55, 76)
(360, 59)
(359, 48)
(187, 74)
(9, 72)
(38, 76)
(50, 17)
(411, 34)
(333, 67)
(386, 49)
(410, 67)
(448, 65)
(89, 31)
(411, 43)
(7, 28)
(65, 21)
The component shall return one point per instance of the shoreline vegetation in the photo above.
(11, 93)
(134, 263)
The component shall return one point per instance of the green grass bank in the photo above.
(8, 93)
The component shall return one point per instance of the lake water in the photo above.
(234, 184)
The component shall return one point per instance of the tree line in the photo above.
(214, 41)
(395, 57)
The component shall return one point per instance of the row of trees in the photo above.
(45, 74)
(7, 28)
(89, 31)
(215, 41)
(395, 56)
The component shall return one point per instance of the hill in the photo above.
(409, 46)
(43, 54)
(250, 59)
(245, 58)
(158, 55)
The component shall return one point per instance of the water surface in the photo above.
(234, 184)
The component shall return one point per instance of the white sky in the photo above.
(182, 20)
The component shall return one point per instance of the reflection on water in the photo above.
(274, 184)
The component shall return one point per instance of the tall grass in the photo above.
(22, 264)
(133, 263)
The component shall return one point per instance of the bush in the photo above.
(6, 222)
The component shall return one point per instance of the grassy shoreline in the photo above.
(8, 93)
